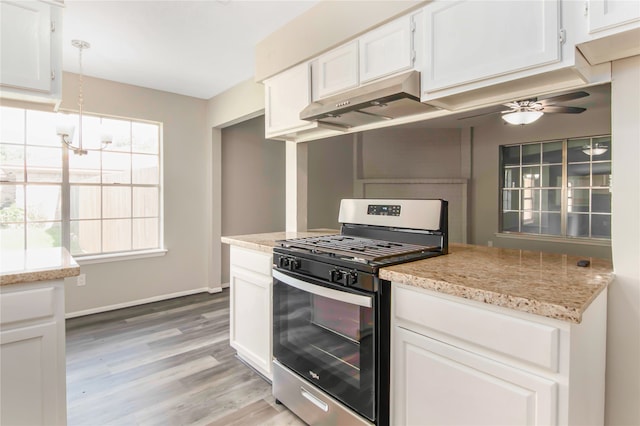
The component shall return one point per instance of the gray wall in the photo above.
(485, 180)
(412, 152)
(253, 183)
(329, 179)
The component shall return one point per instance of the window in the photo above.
(560, 188)
(103, 202)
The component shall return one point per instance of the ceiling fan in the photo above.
(529, 110)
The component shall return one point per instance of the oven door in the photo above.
(326, 334)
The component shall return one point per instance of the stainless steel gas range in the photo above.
(332, 312)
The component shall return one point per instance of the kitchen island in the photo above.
(507, 336)
(32, 335)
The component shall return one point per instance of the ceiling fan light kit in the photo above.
(529, 110)
(596, 149)
(522, 117)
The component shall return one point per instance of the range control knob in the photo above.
(283, 262)
(294, 264)
(335, 275)
(351, 278)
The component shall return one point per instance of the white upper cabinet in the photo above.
(387, 49)
(468, 41)
(611, 30)
(605, 14)
(338, 70)
(286, 94)
(31, 58)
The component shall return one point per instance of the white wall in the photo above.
(623, 322)
(184, 269)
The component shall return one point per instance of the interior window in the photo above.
(560, 188)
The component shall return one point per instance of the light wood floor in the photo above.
(164, 363)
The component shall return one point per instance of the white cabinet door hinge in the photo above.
(53, 75)
(53, 26)
(586, 8)
(413, 25)
(562, 35)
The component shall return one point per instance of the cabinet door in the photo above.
(251, 317)
(31, 377)
(338, 70)
(604, 14)
(435, 384)
(26, 45)
(286, 94)
(467, 41)
(386, 50)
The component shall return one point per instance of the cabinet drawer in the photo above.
(528, 341)
(27, 305)
(252, 260)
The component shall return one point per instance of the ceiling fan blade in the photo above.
(563, 98)
(484, 113)
(563, 109)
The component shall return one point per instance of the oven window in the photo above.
(329, 342)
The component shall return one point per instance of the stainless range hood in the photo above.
(393, 97)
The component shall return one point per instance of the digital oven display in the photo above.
(383, 210)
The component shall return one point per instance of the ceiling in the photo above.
(194, 48)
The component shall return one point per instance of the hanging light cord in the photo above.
(79, 150)
(81, 47)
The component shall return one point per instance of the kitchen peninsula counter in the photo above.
(24, 266)
(547, 284)
(32, 327)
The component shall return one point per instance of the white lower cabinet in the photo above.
(459, 363)
(251, 303)
(441, 384)
(32, 354)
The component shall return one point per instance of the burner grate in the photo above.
(362, 248)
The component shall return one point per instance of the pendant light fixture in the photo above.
(66, 131)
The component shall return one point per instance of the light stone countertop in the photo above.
(266, 242)
(23, 266)
(546, 284)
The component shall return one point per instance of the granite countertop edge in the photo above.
(544, 284)
(25, 266)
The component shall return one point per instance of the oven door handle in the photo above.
(342, 296)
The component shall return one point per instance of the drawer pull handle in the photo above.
(314, 400)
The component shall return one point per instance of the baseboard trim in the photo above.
(141, 302)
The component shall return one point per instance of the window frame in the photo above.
(564, 189)
(66, 184)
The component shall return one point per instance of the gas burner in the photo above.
(356, 248)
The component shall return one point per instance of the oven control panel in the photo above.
(383, 210)
(341, 275)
